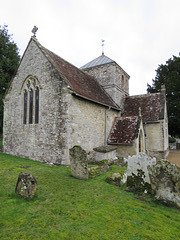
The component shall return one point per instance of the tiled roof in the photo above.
(97, 62)
(152, 106)
(124, 130)
(81, 83)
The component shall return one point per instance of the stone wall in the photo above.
(42, 141)
(85, 125)
(156, 144)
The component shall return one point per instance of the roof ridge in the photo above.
(101, 60)
(85, 80)
(143, 95)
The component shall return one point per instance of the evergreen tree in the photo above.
(9, 60)
(169, 74)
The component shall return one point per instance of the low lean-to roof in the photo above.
(124, 130)
(97, 62)
(81, 83)
(152, 106)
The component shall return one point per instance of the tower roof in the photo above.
(98, 61)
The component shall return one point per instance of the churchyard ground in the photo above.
(174, 157)
(69, 208)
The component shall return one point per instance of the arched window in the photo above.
(31, 101)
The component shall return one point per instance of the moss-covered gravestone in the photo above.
(26, 186)
(137, 173)
(165, 182)
(79, 163)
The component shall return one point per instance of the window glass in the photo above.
(25, 107)
(37, 105)
(31, 107)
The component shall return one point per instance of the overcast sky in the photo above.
(139, 34)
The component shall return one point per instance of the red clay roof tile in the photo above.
(81, 83)
(124, 130)
(152, 107)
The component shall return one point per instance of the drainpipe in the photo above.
(105, 130)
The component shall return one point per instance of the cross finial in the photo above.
(102, 46)
(34, 31)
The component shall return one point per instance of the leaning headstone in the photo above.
(26, 186)
(137, 173)
(79, 163)
(165, 182)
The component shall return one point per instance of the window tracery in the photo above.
(31, 101)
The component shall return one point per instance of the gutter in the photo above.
(126, 144)
(89, 99)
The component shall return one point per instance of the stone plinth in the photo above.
(105, 152)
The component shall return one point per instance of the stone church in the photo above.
(52, 105)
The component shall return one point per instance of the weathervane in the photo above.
(34, 31)
(102, 46)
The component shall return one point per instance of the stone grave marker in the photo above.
(79, 163)
(26, 186)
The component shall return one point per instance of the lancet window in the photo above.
(31, 101)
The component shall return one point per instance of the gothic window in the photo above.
(31, 101)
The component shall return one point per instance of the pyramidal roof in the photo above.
(98, 61)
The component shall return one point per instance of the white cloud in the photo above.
(139, 34)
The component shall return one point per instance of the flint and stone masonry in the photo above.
(76, 107)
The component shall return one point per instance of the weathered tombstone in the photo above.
(117, 179)
(79, 163)
(165, 182)
(101, 168)
(105, 152)
(26, 186)
(137, 173)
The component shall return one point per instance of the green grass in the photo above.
(68, 208)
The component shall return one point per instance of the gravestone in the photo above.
(79, 163)
(137, 173)
(165, 182)
(117, 179)
(26, 186)
(101, 168)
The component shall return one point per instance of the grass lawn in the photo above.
(68, 208)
